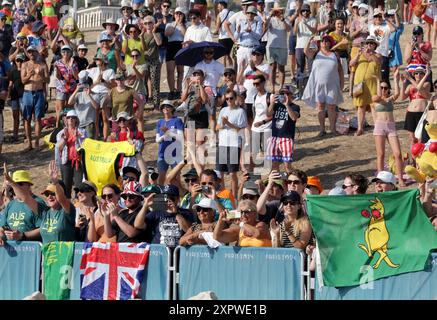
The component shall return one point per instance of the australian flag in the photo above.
(112, 271)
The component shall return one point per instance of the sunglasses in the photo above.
(378, 16)
(416, 73)
(135, 55)
(193, 18)
(289, 202)
(19, 60)
(256, 83)
(148, 22)
(209, 183)
(70, 117)
(417, 33)
(303, 11)
(129, 196)
(129, 178)
(126, 9)
(200, 209)
(230, 98)
(196, 74)
(384, 87)
(246, 211)
(107, 196)
(48, 194)
(256, 54)
(208, 52)
(346, 186)
(228, 74)
(294, 182)
(248, 197)
(21, 183)
(133, 31)
(188, 180)
(165, 6)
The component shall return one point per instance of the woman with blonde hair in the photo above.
(250, 232)
(294, 231)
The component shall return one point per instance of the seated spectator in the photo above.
(205, 215)
(86, 203)
(121, 224)
(355, 183)
(295, 230)
(168, 226)
(19, 222)
(384, 181)
(56, 215)
(96, 226)
(249, 233)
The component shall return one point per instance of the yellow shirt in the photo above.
(100, 158)
(134, 44)
(339, 38)
(245, 241)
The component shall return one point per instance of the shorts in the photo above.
(62, 96)
(244, 53)
(162, 54)
(249, 111)
(228, 44)
(17, 104)
(280, 149)
(228, 159)
(33, 102)
(278, 55)
(201, 120)
(163, 165)
(100, 98)
(411, 120)
(172, 48)
(292, 44)
(384, 128)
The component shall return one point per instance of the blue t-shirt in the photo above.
(165, 227)
(174, 124)
(282, 125)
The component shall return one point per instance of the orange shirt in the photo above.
(245, 241)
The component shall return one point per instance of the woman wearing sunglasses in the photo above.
(56, 215)
(96, 226)
(385, 125)
(294, 231)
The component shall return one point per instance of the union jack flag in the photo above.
(112, 271)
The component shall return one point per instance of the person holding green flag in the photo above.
(382, 234)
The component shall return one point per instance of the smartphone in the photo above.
(234, 214)
(281, 98)
(160, 203)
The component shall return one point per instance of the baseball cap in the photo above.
(199, 71)
(86, 186)
(206, 203)
(128, 169)
(119, 75)
(386, 177)
(38, 25)
(305, 7)
(20, 56)
(363, 6)
(124, 115)
(229, 70)
(151, 188)
(72, 113)
(417, 30)
(31, 48)
(171, 190)
(191, 173)
(185, 12)
(252, 9)
(246, 2)
(82, 47)
(105, 37)
(21, 176)
(291, 196)
(250, 191)
(377, 11)
(167, 103)
(356, 4)
(66, 47)
(259, 49)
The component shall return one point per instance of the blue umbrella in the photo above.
(193, 54)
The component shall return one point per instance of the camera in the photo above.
(205, 189)
(281, 98)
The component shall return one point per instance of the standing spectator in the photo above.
(255, 66)
(28, 23)
(224, 15)
(110, 52)
(293, 8)
(381, 31)
(37, 40)
(18, 47)
(127, 17)
(86, 107)
(103, 81)
(136, 75)
(169, 136)
(368, 64)
(304, 27)
(133, 39)
(16, 91)
(395, 53)
(418, 53)
(34, 75)
(19, 222)
(341, 47)
(162, 18)
(277, 28)
(152, 40)
(197, 31)
(67, 76)
(248, 33)
(49, 17)
(284, 115)
(121, 223)
(175, 31)
(68, 141)
(260, 6)
(358, 34)
(385, 126)
(230, 121)
(324, 87)
(111, 28)
(6, 35)
(325, 18)
(169, 226)
(80, 58)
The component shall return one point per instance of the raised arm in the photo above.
(225, 235)
(24, 196)
(59, 191)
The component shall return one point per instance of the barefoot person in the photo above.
(385, 125)
(34, 75)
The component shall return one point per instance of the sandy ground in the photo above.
(330, 158)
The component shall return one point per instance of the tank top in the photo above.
(384, 107)
(122, 101)
(245, 241)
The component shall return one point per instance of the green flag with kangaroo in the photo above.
(58, 269)
(367, 237)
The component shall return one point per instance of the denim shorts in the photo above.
(63, 96)
(33, 102)
(17, 104)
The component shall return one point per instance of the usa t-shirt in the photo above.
(282, 125)
(173, 125)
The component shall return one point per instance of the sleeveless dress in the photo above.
(324, 82)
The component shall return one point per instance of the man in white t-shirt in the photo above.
(197, 31)
(381, 31)
(224, 39)
(304, 27)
